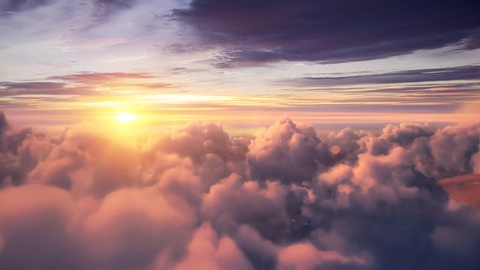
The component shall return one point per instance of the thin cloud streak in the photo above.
(466, 73)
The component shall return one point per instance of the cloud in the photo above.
(257, 32)
(405, 76)
(132, 226)
(207, 251)
(306, 256)
(20, 5)
(40, 91)
(88, 198)
(34, 220)
(3, 124)
(102, 8)
(95, 78)
(449, 154)
(115, 3)
(77, 87)
(286, 151)
(464, 188)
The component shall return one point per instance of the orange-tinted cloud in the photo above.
(464, 188)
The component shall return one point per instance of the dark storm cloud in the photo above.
(255, 32)
(90, 198)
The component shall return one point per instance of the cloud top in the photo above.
(91, 199)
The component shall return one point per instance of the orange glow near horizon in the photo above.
(141, 108)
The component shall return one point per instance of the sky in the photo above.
(242, 63)
(239, 134)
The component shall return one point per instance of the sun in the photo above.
(125, 117)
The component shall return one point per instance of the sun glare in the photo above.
(125, 117)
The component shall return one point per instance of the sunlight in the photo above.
(125, 117)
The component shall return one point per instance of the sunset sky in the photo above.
(240, 134)
(242, 63)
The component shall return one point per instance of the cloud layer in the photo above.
(292, 197)
(254, 32)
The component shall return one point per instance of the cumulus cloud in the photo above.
(389, 199)
(286, 151)
(207, 251)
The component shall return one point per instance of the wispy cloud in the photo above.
(434, 75)
(100, 78)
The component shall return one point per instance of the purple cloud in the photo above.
(256, 32)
